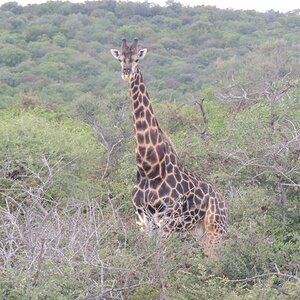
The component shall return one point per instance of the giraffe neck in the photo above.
(152, 145)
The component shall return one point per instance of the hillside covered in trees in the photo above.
(225, 86)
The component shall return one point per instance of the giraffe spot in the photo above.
(154, 123)
(174, 194)
(184, 207)
(198, 201)
(138, 158)
(138, 178)
(132, 85)
(134, 90)
(160, 149)
(140, 138)
(140, 98)
(172, 158)
(145, 101)
(156, 182)
(142, 88)
(170, 168)
(148, 116)
(191, 186)
(137, 80)
(171, 181)
(221, 205)
(151, 155)
(159, 206)
(163, 170)
(153, 136)
(179, 188)
(138, 112)
(141, 125)
(146, 167)
(199, 193)
(163, 190)
(134, 96)
(204, 187)
(185, 186)
(185, 177)
(150, 209)
(147, 138)
(142, 150)
(138, 198)
(155, 171)
(187, 218)
(177, 174)
(135, 104)
(143, 184)
(150, 195)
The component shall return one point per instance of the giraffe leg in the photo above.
(208, 233)
(214, 224)
(200, 235)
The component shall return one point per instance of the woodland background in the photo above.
(225, 86)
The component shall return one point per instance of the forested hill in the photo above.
(225, 87)
(59, 50)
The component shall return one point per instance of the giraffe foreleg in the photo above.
(208, 233)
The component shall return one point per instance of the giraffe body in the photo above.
(166, 195)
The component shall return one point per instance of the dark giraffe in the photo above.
(166, 195)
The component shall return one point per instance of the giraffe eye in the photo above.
(136, 60)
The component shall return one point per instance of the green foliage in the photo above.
(33, 142)
(11, 55)
(67, 162)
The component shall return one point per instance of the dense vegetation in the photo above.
(226, 88)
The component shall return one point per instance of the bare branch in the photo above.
(204, 131)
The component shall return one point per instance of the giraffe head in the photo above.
(129, 57)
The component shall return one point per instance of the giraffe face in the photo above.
(128, 58)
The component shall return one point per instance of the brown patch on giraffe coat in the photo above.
(138, 198)
(154, 122)
(204, 187)
(164, 190)
(145, 101)
(141, 125)
(148, 117)
(146, 167)
(147, 138)
(138, 112)
(173, 160)
(142, 88)
(155, 171)
(155, 183)
(170, 168)
(135, 104)
(135, 89)
(171, 181)
(134, 96)
(185, 186)
(160, 150)
(142, 150)
(151, 155)
(140, 138)
(153, 136)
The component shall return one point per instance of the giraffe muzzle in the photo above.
(126, 74)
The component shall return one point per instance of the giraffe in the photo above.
(166, 195)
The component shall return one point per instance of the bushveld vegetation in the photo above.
(225, 86)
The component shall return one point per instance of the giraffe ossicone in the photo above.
(166, 195)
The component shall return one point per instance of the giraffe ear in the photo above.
(115, 53)
(142, 53)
